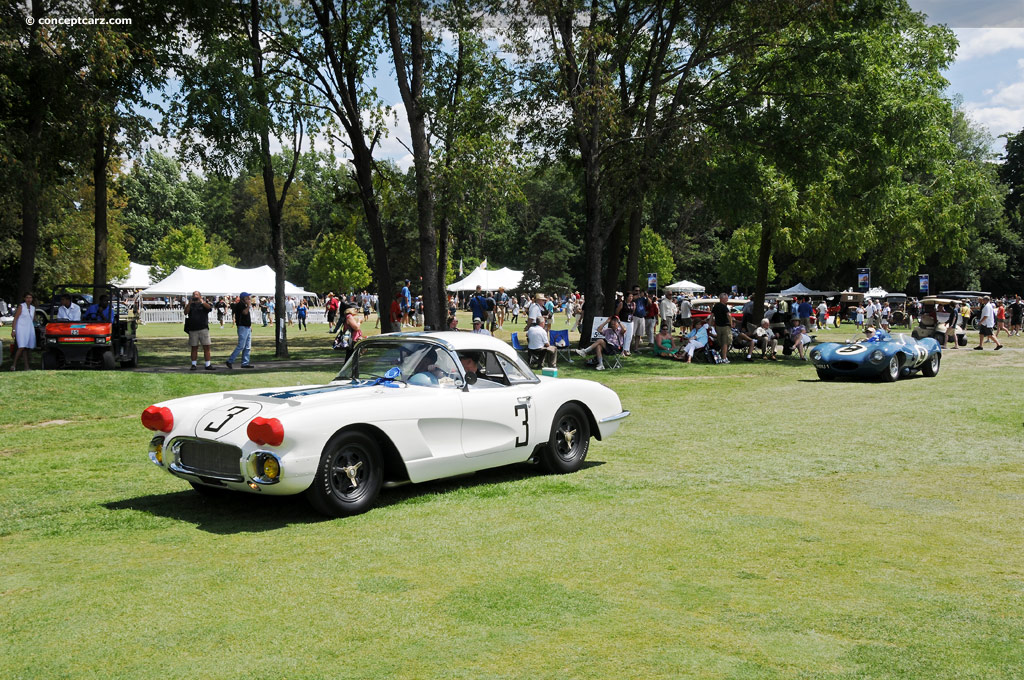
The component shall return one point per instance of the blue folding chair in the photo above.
(518, 347)
(560, 341)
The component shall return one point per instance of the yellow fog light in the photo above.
(156, 451)
(271, 468)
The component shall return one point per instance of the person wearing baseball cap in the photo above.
(243, 324)
(478, 326)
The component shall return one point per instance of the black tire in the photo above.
(825, 376)
(892, 369)
(338, 490)
(931, 367)
(566, 452)
(133, 359)
(49, 361)
(108, 361)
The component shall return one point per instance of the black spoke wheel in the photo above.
(349, 477)
(931, 367)
(569, 440)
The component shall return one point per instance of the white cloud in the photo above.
(981, 42)
(998, 119)
(1011, 95)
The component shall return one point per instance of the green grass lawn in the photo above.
(748, 521)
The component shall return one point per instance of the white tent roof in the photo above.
(799, 289)
(489, 279)
(222, 280)
(685, 286)
(877, 292)
(138, 276)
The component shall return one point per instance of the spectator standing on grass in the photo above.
(667, 310)
(805, 312)
(478, 304)
(289, 307)
(197, 323)
(406, 303)
(886, 315)
(822, 313)
(986, 324)
(723, 323)
(1016, 314)
(332, 310)
(301, 312)
(535, 310)
(395, 311)
(1001, 319)
(685, 310)
(222, 309)
(514, 309)
(501, 300)
(243, 326)
(23, 332)
(653, 312)
(264, 311)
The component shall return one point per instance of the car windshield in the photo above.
(419, 363)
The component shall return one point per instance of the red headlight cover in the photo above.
(268, 431)
(158, 418)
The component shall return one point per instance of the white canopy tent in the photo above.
(489, 279)
(685, 286)
(799, 289)
(138, 276)
(877, 292)
(222, 280)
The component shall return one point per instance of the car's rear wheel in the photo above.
(931, 367)
(133, 358)
(108, 361)
(892, 370)
(825, 375)
(49, 360)
(569, 440)
(349, 477)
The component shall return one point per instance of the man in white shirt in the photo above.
(67, 310)
(478, 327)
(667, 309)
(536, 309)
(684, 313)
(537, 344)
(986, 324)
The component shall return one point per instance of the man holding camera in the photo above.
(197, 325)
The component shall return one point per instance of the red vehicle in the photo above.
(700, 309)
(103, 342)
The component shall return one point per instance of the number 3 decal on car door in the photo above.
(525, 408)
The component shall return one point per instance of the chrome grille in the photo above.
(204, 457)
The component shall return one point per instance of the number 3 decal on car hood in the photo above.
(226, 419)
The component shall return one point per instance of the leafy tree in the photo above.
(738, 264)
(158, 198)
(185, 246)
(339, 265)
(220, 251)
(655, 257)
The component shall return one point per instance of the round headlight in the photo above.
(877, 355)
(815, 355)
(271, 468)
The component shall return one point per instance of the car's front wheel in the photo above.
(931, 367)
(892, 370)
(349, 477)
(825, 375)
(569, 441)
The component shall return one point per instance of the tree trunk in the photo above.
(595, 302)
(99, 182)
(411, 90)
(613, 266)
(633, 272)
(362, 162)
(274, 206)
(30, 184)
(764, 255)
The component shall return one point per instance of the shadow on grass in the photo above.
(227, 512)
(866, 381)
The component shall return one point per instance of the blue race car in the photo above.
(880, 356)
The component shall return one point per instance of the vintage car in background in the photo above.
(405, 407)
(700, 309)
(890, 359)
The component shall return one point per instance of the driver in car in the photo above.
(99, 311)
(68, 311)
(871, 335)
(470, 363)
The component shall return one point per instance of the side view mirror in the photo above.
(471, 378)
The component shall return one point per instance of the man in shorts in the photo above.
(987, 324)
(197, 323)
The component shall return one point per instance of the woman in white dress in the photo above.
(24, 332)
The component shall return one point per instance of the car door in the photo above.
(498, 414)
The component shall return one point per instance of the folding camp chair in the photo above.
(518, 347)
(560, 341)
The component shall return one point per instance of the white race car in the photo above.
(406, 407)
